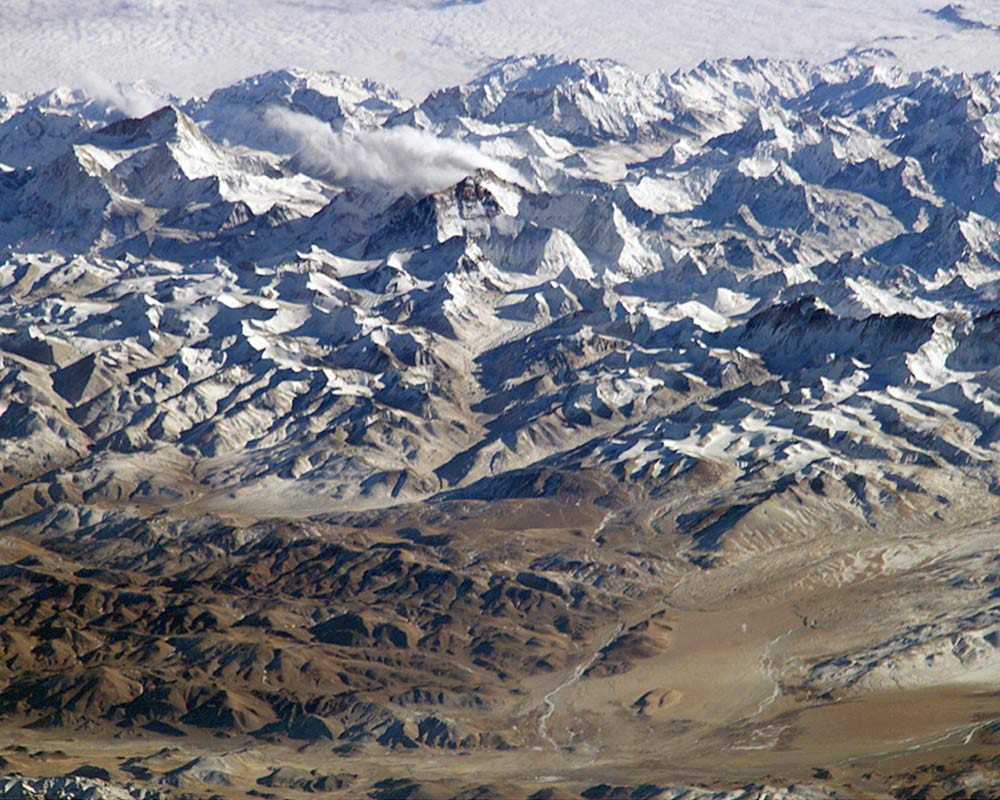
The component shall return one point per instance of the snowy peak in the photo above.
(326, 95)
(163, 125)
(582, 101)
(303, 282)
(237, 113)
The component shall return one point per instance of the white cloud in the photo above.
(405, 158)
(196, 46)
(130, 100)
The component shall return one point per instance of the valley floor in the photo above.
(763, 672)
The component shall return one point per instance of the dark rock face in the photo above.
(305, 780)
(347, 630)
(301, 726)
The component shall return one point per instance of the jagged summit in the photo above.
(583, 101)
(236, 113)
(167, 122)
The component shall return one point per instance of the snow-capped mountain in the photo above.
(735, 307)
(766, 265)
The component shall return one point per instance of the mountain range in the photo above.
(491, 398)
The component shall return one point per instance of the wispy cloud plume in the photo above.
(130, 100)
(405, 158)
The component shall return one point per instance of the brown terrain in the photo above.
(543, 647)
